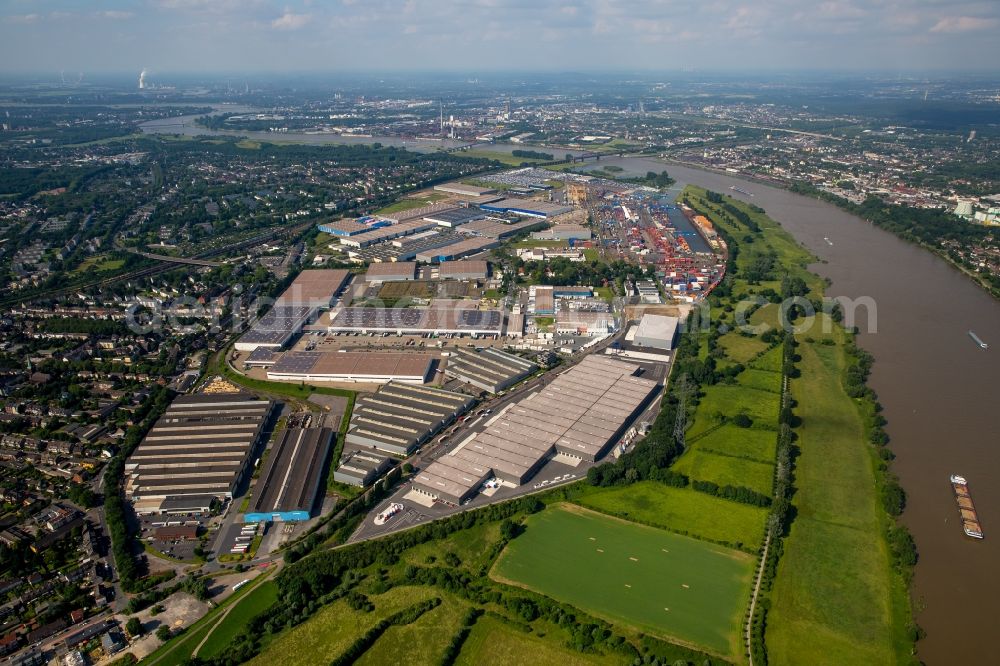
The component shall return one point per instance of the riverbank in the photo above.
(838, 593)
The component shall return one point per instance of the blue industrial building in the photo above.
(289, 485)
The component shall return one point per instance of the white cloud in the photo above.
(22, 18)
(951, 24)
(290, 21)
(116, 15)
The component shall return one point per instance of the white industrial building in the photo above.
(656, 331)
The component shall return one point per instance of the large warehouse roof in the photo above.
(388, 271)
(375, 367)
(419, 320)
(455, 216)
(656, 331)
(490, 369)
(276, 327)
(580, 413)
(462, 188)
(291, 477)
(495, 229)
(315, 288)
(470, 268)
(200, 446)
(528, 207)
(399, 417)
(457, 249)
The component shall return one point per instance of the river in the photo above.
(186, 125)
(939, 392)
(938, 389)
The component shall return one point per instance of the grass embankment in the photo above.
(262, 597)
(835, 599)
(639, 576)
(179, 649)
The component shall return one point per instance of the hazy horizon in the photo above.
(303, 36)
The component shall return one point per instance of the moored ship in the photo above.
(966, 509)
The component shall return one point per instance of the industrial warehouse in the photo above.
(441, 318)
(290, 482)
(311, 291)
(464, 270)
(276, 328)
(399, 417)
(315, 288)
(391, 271)
(490, 369)
(196, 453)
(578, 416)
(367, 367)
(361, 468)
(656, 331)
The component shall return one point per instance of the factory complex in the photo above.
(197, 453)
(472, 219)
(578, 416)
(400, 417)
(292, 476)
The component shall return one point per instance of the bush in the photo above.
(134, 627)
(742, 421)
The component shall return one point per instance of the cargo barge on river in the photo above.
(966, 509)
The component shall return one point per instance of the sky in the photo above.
(498, 35)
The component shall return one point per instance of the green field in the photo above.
(100, 264)
(731, 440)
(741, 349)
(332, 629)
(769, 361)
(833, 600)
(726, 470)
(722, 400)
(422, 642)
(646, 578)
(682, 510)
(236, 619)
(472, 546)
(495, 642)
(763, 380)
(408, 289)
